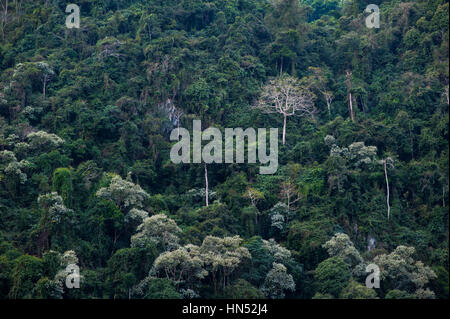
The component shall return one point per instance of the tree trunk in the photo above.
(447, 95)
(5, 19)
(206, 186)
(328, 106)
(387, 189)
(284, 128)
(443, 195)
(43, 88)
(288, 200)
(281, 66)
(350, 106)
(348, 83)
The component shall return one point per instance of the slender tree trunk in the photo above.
(387, 189)
(206, 185)
(446, 95)
(328, 106)
(411, 141)
(43, 88)
(350, 106)
(348, 83)
(443, 195)
(284, 128)
(4, 19)
(281, 67)
(288, 201)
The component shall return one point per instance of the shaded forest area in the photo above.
(86, 177)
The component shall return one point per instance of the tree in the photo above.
(387, 162)
(126, 267)
(25, 274)
(355, 290)
(46, 74)
(280, 216)
(348, 83)
(331, 276)
(4, 17)
(183, 265)
(400, 271)
(54, 218)
(124, 194)
(69, 257)
(12, 171)
(399, 294)
(279, 253)
(161, 288)
(242, 289)
(62, 184)
(340, 245)
(156, 288)
(206, 186)
(223, 255)
(318, 81)
(289, 191)
(286, 96)
(254, 196)
(157, 229)
(277, 282)
(43, 142)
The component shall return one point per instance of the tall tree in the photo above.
(388, 162)
(288, 97)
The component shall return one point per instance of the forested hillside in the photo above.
(86, 177)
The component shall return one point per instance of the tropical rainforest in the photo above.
(88, 189)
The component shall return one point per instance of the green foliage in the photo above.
(26, 272)
(126, 267)
(332, 276)
(242, 289)
(356, 290)
(399, 294)
(85, 121)
(161, 288)
(62, 184)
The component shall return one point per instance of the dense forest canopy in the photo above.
(86, 177)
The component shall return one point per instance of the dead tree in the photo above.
(286, 96)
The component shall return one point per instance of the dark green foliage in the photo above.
(399, 294)
(126, 268)
(242, 289)
(26, 272)
(100, 100)
(62, 184)
(161, 288)
(331, 276)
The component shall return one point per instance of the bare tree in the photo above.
(290, 192)
(387, 162)
(286, 95)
